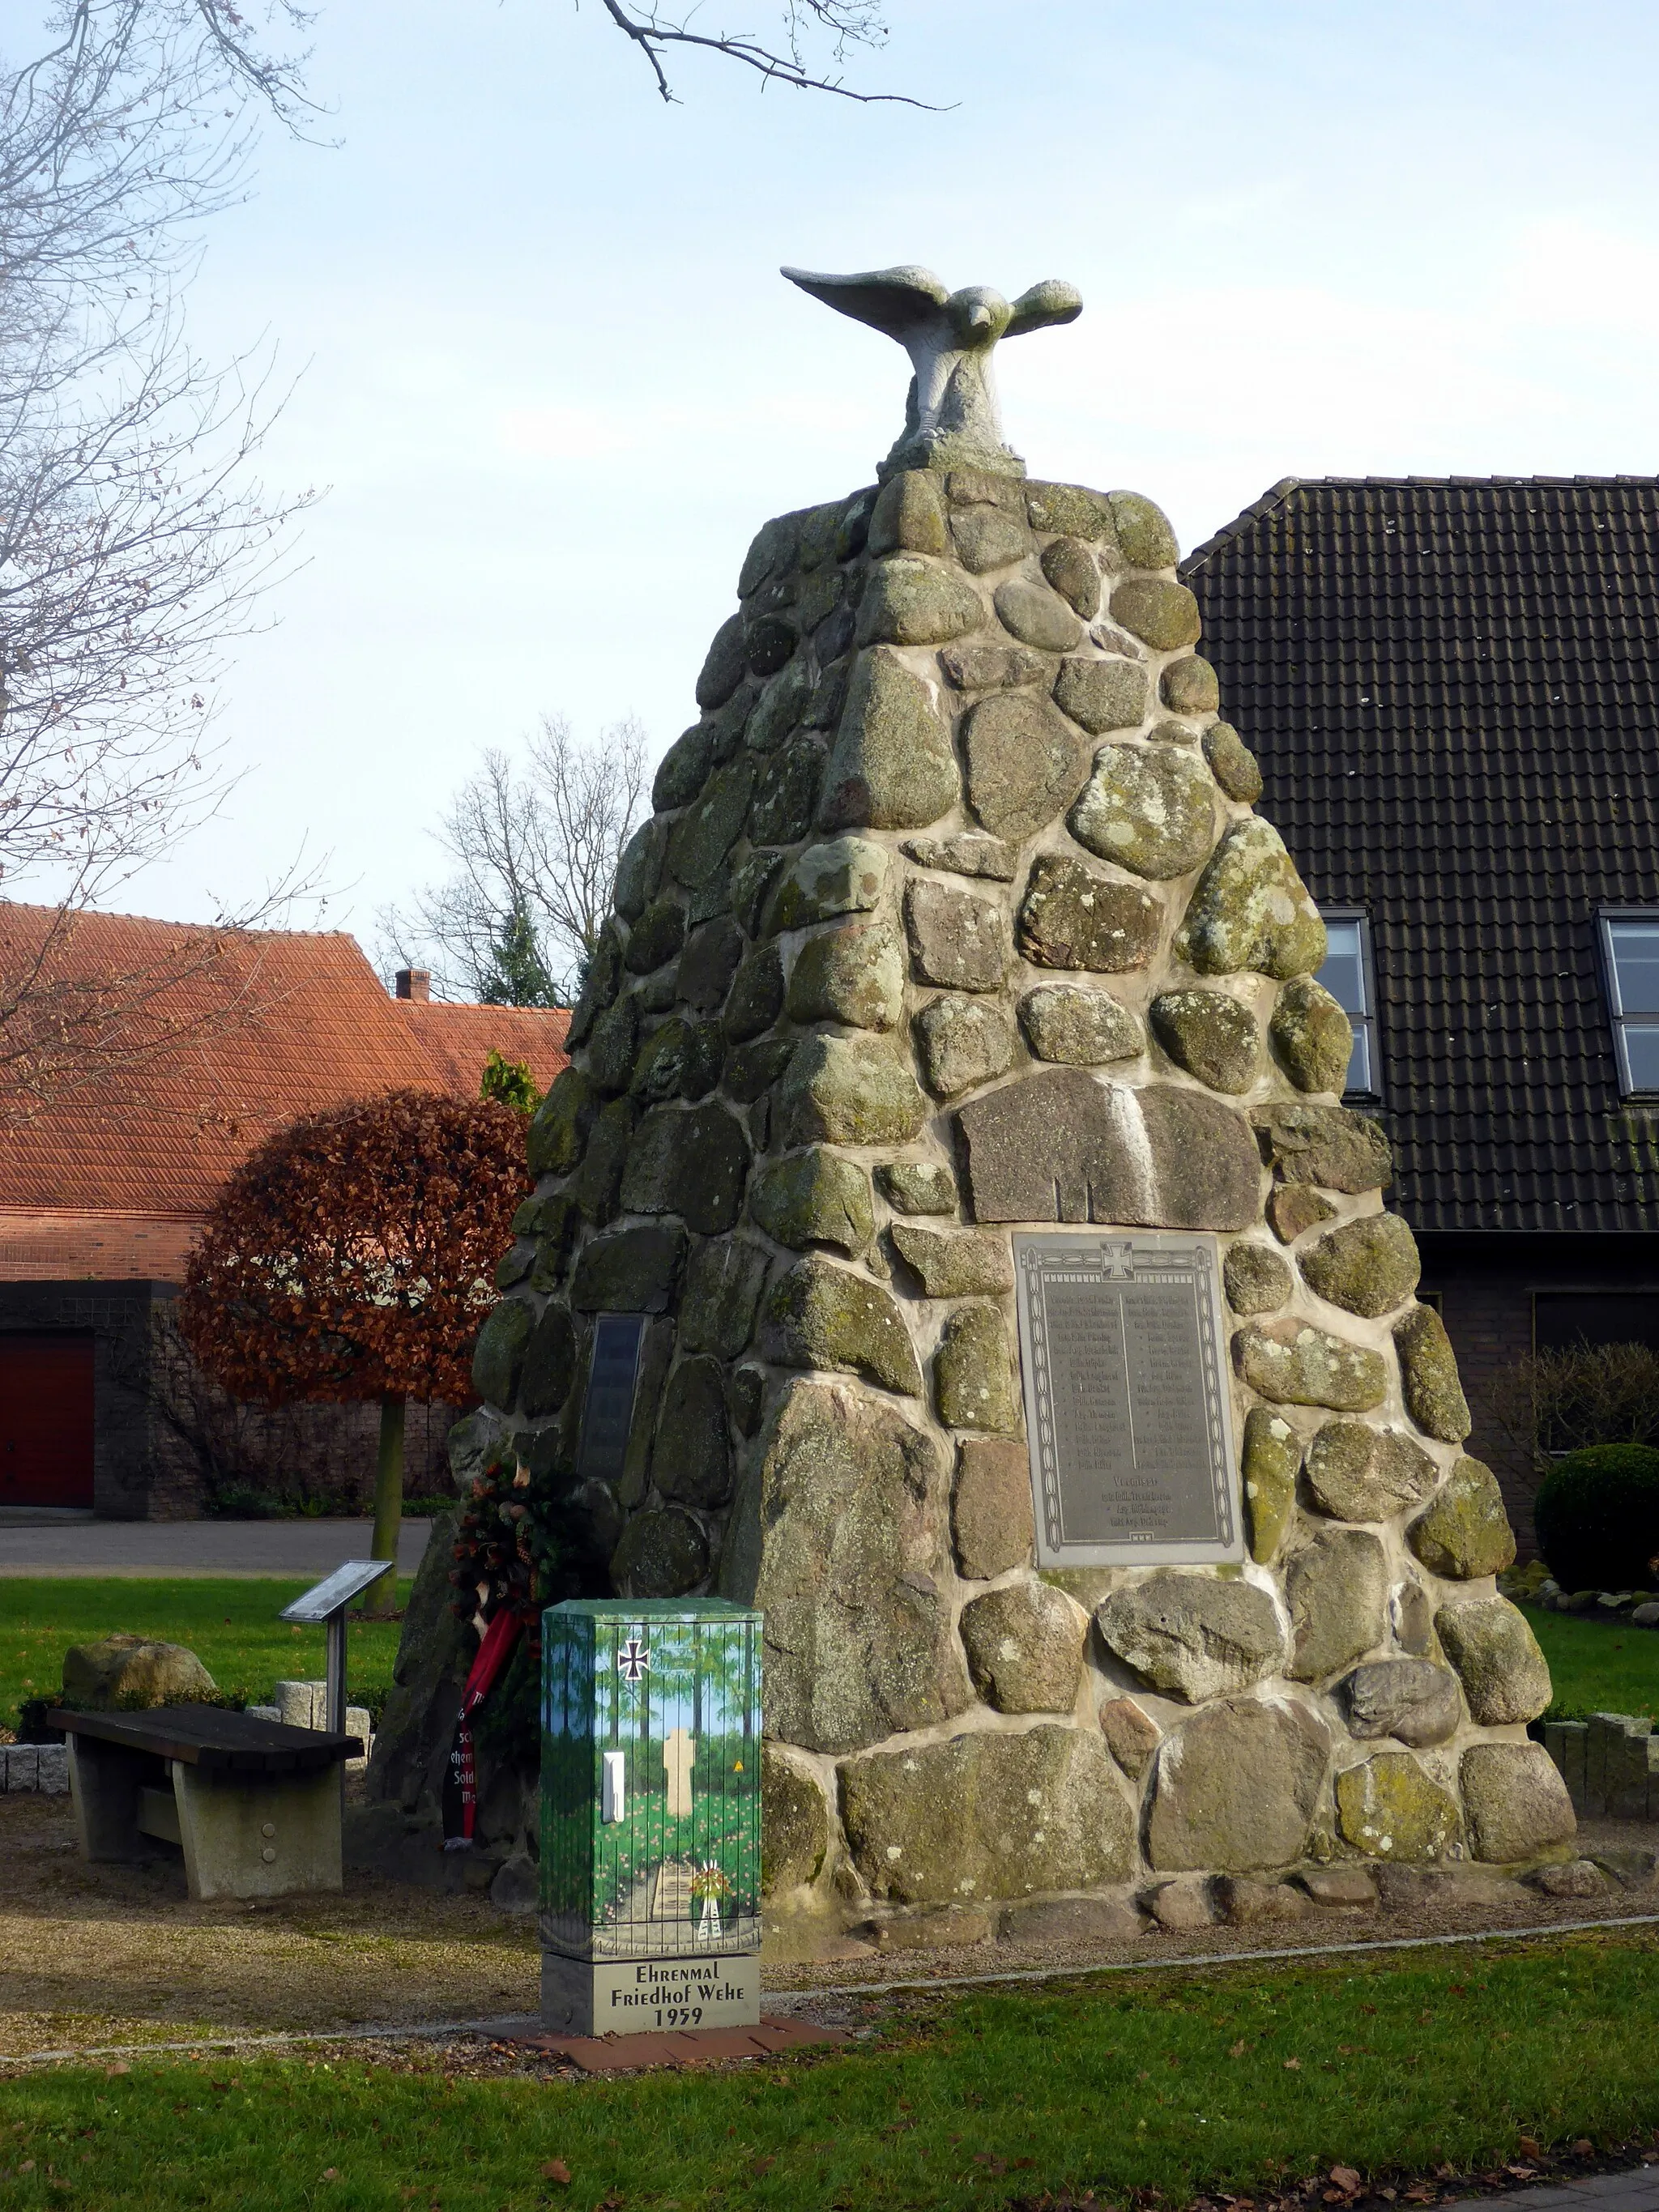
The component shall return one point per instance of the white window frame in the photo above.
(1605, 919)
(1366, 1021)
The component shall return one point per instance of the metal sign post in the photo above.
(325, 1604)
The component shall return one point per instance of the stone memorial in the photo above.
(955, 1122)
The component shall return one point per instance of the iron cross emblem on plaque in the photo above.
(633, 1659)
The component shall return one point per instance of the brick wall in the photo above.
(1484, 1287)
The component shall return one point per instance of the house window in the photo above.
(1564, 1319)
(1629, 954)
(1347, 975)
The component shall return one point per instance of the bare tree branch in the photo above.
(847, 22)
(535, 851)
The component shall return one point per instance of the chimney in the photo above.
(414, 983)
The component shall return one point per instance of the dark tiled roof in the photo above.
(1453, 688)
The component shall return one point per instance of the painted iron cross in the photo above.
(633, 1659)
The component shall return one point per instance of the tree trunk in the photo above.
(381, 1597)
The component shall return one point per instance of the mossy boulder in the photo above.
(1102, 694)
(1390, 1808)
(1367, 1267)
(1428, 1376)
(1337, 1588)
(631, 1271)
(1041, 1810)
(550, 1363)
(1233, 763)
(1295, 1364)
(1312, 1035)
(1505, 1676)
(891, 766)
(1357, 1473)
(909, 516)
(1068, 1023)
(656, 937)
(1271, 1460)
(795, 1824)
(724, 1279)
(824, 1316)
(1410, 1698)
(1328, 1146)
(663, 1553)
(962, 1042)
(1212, 1035)
(1192, 1635)
(689, 1161)
(1144, 536)
(498, 1356)
(918, 1187)
(848, 875)
(1149, 808)
(909, 601)
(558, 1128)
(1164, 614)
(858, 1638)
(1236, 1787)
(1250, 910)
(850, 1090)
(814, 1197)
(853, 973)
(124, 1671)
(1257, 1280)
(1074, 917)
(1025, 1646)
(1466, 1532)
(1189, 686)
(974, 1378)
(954, 1263)
(691, 1460)
(1024, 762)
(700, 841)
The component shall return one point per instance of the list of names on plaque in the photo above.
(1119, 1343)
(608, 1407)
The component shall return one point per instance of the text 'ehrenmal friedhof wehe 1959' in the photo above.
(1121, 1346)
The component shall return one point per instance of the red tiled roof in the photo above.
(263, 1026)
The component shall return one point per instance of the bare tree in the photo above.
(1556, 1401)
(133, 543)
(535, 851)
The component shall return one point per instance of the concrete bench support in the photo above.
(245, 1829)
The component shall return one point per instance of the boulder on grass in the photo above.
(127, 1672)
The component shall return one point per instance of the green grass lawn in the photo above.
(231, 1626)
(1238, 2079)
(1597, 1666)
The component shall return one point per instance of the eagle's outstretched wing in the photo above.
(903, 302)
(1052, 301)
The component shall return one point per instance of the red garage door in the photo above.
(46, 1420)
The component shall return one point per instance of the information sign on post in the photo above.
(651, 1815)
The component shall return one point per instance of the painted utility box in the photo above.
(651, 1815)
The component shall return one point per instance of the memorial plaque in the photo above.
(608, 1407)
(1122, 1351)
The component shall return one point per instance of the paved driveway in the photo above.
(52, 1544)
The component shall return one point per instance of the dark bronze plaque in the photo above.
(1127, 1402)
(608, 1407)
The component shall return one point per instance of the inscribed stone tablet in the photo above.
(608, 1407)
(1127, 1402)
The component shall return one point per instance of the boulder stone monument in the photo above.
(949, 1237)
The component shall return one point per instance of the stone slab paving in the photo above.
(247, 1549)
(1637, 2190)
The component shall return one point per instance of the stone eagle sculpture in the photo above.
(951, 416)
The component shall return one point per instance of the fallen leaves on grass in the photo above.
(556, 2170)
(1346, 2177)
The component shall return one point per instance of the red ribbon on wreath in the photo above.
(461, 1784)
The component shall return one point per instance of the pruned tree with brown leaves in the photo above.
(353, 1256)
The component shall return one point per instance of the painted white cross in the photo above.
(677, 1754)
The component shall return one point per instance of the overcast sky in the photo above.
(552, 382)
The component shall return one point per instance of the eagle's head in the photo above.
(978, 316)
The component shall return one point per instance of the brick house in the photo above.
(205, 1048)
(1452, 687)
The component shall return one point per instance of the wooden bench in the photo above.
(255, 1806)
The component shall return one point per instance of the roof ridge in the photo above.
(95, 914)
(1269, 500)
